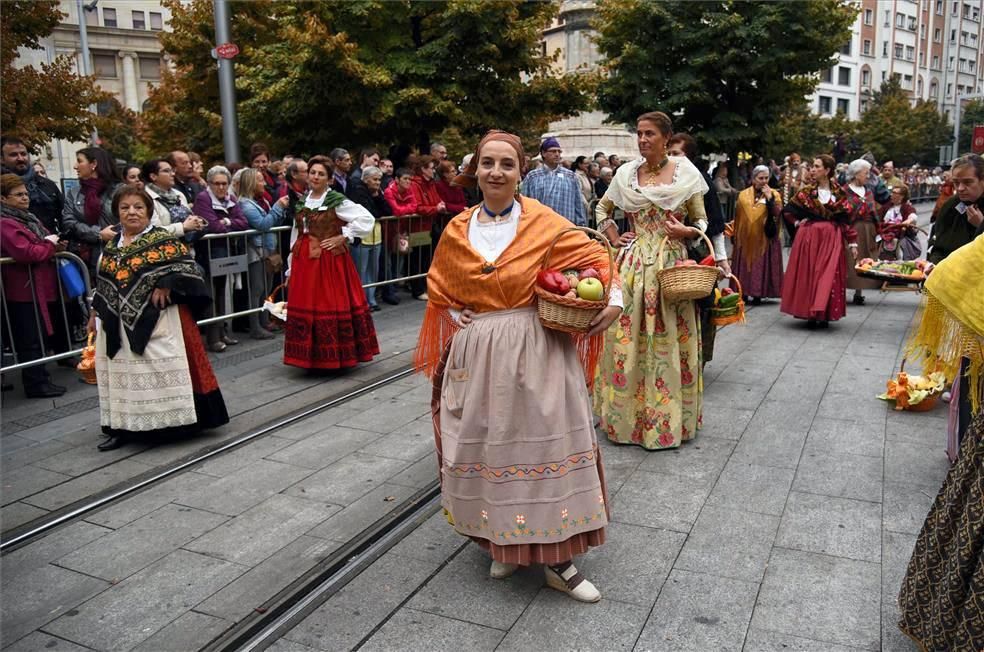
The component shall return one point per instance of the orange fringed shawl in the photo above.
(455, 279)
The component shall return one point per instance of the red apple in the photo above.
(726, 291)
(590, 289)
(590, 272)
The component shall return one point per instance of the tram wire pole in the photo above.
(227, 85)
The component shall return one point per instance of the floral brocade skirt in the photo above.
(648, 387)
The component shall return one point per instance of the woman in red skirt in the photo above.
(816, 276)
(328, 320)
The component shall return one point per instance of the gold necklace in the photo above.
(654, 174)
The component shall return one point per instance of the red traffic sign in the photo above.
(227, 50)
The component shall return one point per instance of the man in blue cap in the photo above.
(555, 186)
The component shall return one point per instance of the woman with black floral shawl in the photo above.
(153, 374)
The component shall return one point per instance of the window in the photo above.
(922, 31)
(824, 105)
(846, 49)
(827, 76)
(864, 105)
(922, 58)
(955, 11)
(936, 62)
(156, 21)
(843, 106)
(103, 108)
(869, 17)
(843, 76)
(949, 64)
(900, 21)
(934, 89)
(884, 75)
(910, 53)
(939, 7)
(888, 19)
(867, 47)
(911, 23)
(104, 65)
(898, 50)
(866, 78)
(919, 87)
(109, 17)
(138, 20)
(150, 68)
(953, 35)
(907, 82)
(949, 90)
(884, 48)
(937, 35)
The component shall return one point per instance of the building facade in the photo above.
(933, 47)
(125, 58)
(570, 38)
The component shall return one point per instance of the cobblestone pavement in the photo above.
(785, 524)
(49, 458)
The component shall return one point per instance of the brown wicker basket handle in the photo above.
(604, 243)
(273, 295)
(666, 238)
(741, 293)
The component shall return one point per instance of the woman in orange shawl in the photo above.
(757, 256)
(519, 463)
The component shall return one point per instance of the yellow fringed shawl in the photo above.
(456, 279)
(951, 325)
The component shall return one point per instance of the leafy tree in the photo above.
(971, 115)
(895, 130)
(41, 104)
(803, 131)
(315, 75)
(724, 70)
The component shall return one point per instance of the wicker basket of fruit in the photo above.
(87, 365)
(902, 271)
(686, 279)
(915, 393)
(568, 300)
(729, 306)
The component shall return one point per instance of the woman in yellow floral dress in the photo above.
(648, 387)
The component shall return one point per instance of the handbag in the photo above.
(71, 278)
(273, 263)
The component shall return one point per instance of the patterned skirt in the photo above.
(942, 596)
(328, 320)
(519, 463)
(170, 390)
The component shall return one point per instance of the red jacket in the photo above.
(17, 242)
(427, 197)
(453, 196)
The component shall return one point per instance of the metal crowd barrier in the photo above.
(224, 256)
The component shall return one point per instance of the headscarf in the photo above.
(92, 191)
(469, 176)
(28, 220)
(952, 324)
(631, 197)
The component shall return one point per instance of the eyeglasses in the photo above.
(220, 184)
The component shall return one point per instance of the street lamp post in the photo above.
(227, 85)
(86, 65)
(956, 119)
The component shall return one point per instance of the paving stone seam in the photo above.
(412, 594)
(859, 500)
(807, 638)
(54, 636)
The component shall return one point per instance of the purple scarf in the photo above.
(92, 190)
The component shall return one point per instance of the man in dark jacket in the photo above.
(961, 218)
(183, 183)
(46, 198)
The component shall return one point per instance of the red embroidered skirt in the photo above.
(328, 320)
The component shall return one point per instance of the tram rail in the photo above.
(36, 529)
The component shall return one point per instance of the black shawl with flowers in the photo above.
(127, 277)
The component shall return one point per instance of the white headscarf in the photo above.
(628, 195)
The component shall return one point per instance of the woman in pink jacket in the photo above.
(29, 285)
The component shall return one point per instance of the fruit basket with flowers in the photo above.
(914, 393)
(729, 306)
(568, 300)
